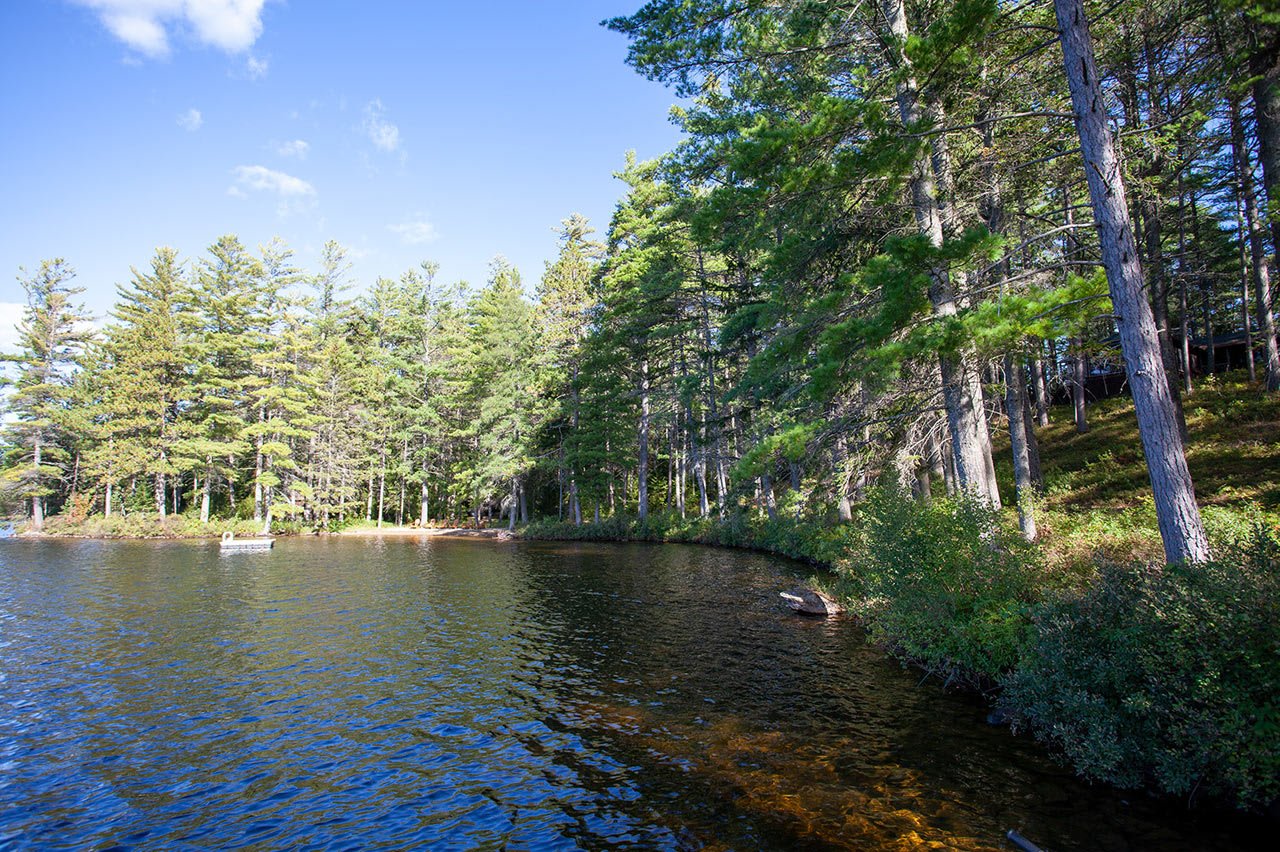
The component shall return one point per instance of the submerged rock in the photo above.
(809, 602)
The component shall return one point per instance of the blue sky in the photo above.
(407, 131)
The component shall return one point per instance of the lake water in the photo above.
(459, 694)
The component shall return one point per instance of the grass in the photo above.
(1097, 499)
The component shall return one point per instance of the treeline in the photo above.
(893, 230)
(238, 386)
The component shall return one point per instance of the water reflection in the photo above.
(464, 694)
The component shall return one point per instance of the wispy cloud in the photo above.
(145, 25)
(295, 148)
(293, 193)
(415, 232)
(191, 120)
(384, 135)
(256, 68)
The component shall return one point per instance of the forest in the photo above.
(894, 235)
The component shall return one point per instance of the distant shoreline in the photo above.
(494, 534)
(425, 532)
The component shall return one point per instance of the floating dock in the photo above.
(230, 542)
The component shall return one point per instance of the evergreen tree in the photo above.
(50, 335)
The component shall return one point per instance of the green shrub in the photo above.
(1165, 676)
(946, 585)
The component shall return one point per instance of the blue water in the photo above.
(364, 693)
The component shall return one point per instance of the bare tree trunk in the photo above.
(257, 474)
(961, 390)
(160, 495)
(1033, 448)
(643, 467)
(1258, 274)
(382, 494)
(700, 471)
(717, 434)
(404, 459)
(1210, 351)
(1246, 322)
(839, 463)
(1015, 408)
(1265, 68)
(1040, 387)
(1078, 376)
(206, 494)
(106, 510)
(1177, 513)
(1185, 306)
(37, 501)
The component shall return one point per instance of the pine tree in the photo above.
(51, 335)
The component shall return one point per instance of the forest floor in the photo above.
(1097, 493)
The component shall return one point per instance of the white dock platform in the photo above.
(230, 542)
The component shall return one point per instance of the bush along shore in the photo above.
(1140, 676)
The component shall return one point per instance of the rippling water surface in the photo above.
(445, 694)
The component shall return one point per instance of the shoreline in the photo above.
(491, 534)
(427, 532)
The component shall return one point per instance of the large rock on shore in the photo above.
(809, 602)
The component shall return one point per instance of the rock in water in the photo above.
(808, 602)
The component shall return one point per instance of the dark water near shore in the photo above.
(363, 693)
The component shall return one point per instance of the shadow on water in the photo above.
(458, 694)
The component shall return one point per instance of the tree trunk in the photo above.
(643, 452)
(961, 390)
(257, 475)
(1040, 388)
(1015, 409)
(160, 496)
(839, 464)
(1258, 274)
(382, 495)
(515, 498)
(37, 501)
(424, 515)
(106, 505)
(1185, 307)
(206, 493)
(575, 501)
(1177, 513)
(1265, 67)
(1078, 376)
(1210, 351)
(1033, 448)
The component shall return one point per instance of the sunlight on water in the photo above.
(465, 694)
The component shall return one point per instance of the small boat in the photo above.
(230, 542)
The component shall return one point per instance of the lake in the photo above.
(465, 694)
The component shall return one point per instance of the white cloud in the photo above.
(256, 68)
(415, 233)
(261, 178)
(293, 193)
(191, 120)
(145, 25)
(295, 148)
(384, 135)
